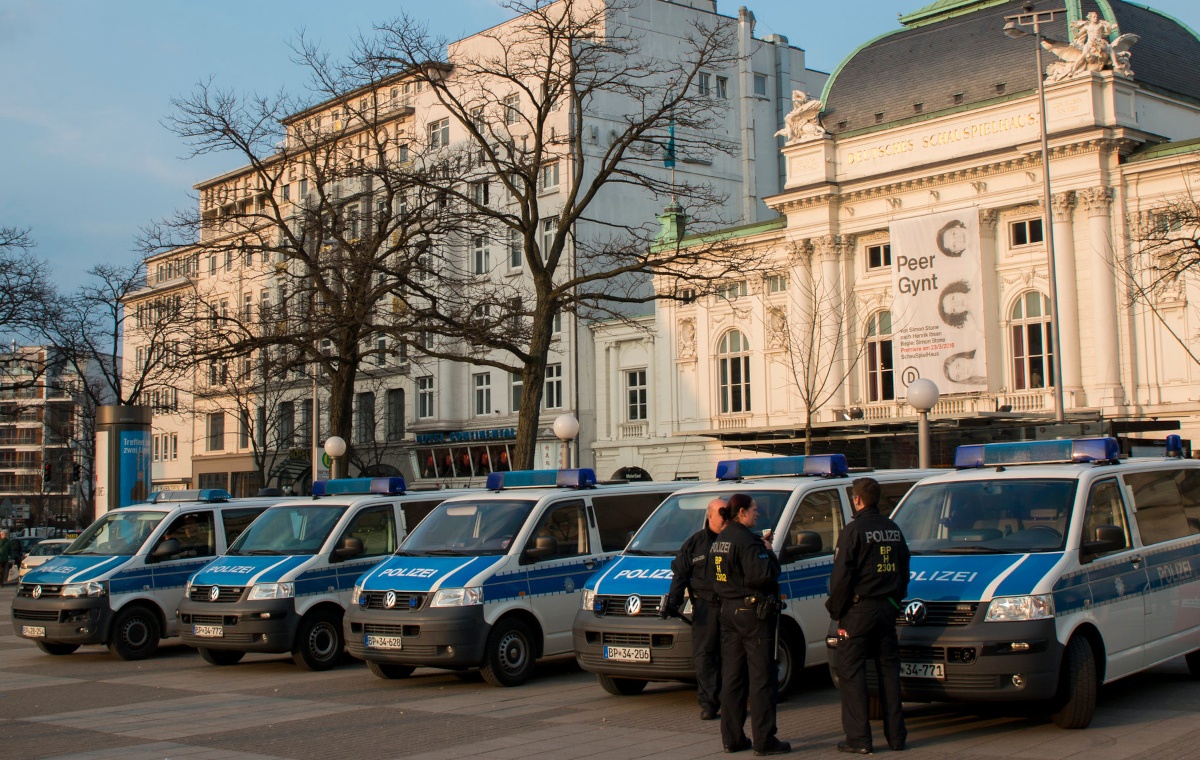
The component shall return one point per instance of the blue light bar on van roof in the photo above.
(1037, 452)
(358, 486)
(581, 478)
(202, 494)
(817, 464)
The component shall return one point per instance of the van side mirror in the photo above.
(1108, 538)
(165, 550)
(349, 548)
(545, 546)
(807, 543)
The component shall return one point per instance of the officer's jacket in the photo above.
(690, 569)
(871, 561)
(742, 565)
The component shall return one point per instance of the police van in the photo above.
(492, 580)
(120, 581)
(1043, 569)
(804, 500)
(285, 583)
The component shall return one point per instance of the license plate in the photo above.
(627, 654)
(384, 642)
(208, 631)
(33, 631)
(923, 670)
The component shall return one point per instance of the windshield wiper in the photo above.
(444, 552)
(971, 549)
(263, 551)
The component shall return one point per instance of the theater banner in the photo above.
(937, 306)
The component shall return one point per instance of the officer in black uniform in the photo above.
(689, 570)
(870, 579)
(745, 576)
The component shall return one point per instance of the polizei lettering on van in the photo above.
(649, 574)
(942, 575)
(409, 572)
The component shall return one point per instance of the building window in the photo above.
(483, 393)
(439, 133)
(304, 423)
(550, 176)
(244, 429)
(1032, 349)
(704, 83)
(549, 228)
(723, 88)
(516, 249)
(156, 441)
(881, 383)
(512, 109)
(212, 264)
(1025, 232)
(482, 259)
(364, 417)
(518, 385)
(733, 371)
(635, 394)
(777, 283)
(174, 450)
(879, 256)
(554, 387)
(424, 397)
(731, 291)
(216, 431)
(481, 193)
(395, 414)
(287, 425)
(760, 85)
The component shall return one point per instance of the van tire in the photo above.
(790, 664)
(1193, 663)
(221, 656)
(1075, 704)
(50, 648)
(508, 655)
(134, 634)
(319, 644)
(389, 670)
(621, 687)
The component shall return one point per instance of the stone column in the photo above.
(829, 310)
(1106, 377)
(993, 318)
(1063, 206)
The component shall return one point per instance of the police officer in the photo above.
(689, 570)
(745, 576)
(870, 579)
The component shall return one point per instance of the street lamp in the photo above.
(1014, 27)
(922, 396)
(335, 446)
(566, 427)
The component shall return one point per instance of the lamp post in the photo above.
(922, 396)
(335, 446)
(566, 427)
(1014, 27)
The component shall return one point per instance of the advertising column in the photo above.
(122, 456)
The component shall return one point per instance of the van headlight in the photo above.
(1008, 609)
(356, 596)
(271, 591)
(457, 597)
(589, 598)
(87, 588)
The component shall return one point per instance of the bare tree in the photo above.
(1166, 257)
(24, 280)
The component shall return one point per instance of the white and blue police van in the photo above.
(283, 586)
(803, 500)
(120, 581)
(492, 580)
(1043, 569)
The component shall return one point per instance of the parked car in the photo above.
(42, 552)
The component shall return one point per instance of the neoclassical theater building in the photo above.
(912, 241)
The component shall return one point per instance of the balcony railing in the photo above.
(628, 430)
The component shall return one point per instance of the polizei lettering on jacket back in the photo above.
(648, 574)
(882, 536)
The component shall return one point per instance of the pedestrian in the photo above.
(689, 570)
(7, 550)
(869, 581)
(745, 575)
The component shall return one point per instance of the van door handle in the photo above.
(1136, 560)
(590, 564)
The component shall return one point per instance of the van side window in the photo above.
(619, 517)
(566, 524)
(819, 512)
(376, 527)
(194, 532)
(416, 511)
(890, 495)
(237, 520)
(1159, 505)
(1104, 507)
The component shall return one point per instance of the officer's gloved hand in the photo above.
(668, 610)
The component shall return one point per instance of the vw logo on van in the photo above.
(915, 612)
(633, 605)
(214, 593)
(389, 599)
(37, 592)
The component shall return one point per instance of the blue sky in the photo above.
(84, 85)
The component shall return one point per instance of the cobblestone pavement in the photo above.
(90, 705)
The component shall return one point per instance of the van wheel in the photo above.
(789, 664)
(319, 642)
(221, 656)
(508, 654)
(49, 648)
(1193, 663)
(1076, 701)
(390, 671)
(621, 687)
(134, 634)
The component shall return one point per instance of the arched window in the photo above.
(733, 369)
(881, 384)
(1032, 348)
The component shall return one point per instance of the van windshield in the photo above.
(469, 528)
(987, 517)
(117, 533)
(289, 530)
(681, 515)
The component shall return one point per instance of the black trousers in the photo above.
(748, 674)
(870, 627)
(706, 653)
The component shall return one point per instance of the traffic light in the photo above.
(47, 471)
(76, 472)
